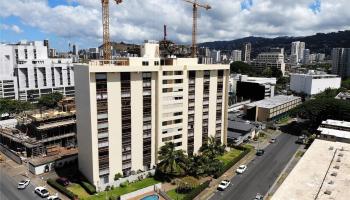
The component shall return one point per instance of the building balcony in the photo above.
(104, 172)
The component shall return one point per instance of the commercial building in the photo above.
(271, 108)
(236, 55)
(307, 57)
(243, 85)
(273, 60)
(27, 72)
(246, 52)
(322, 173)
(341, 62)
(334, 130)
(313, 82)
(128, 108)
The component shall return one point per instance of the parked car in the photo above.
(260, 152)
(63, 181)
(223, 185)
(273, 140)
(42, 192)
(301, 139)
(241, 169)
(53, 197)
(23, 184)
(259, 197)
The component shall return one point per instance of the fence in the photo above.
(141, 191)
(10, 154)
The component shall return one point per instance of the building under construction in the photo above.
(41, 133)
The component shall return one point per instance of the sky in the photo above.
(79, 21)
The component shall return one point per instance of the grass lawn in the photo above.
(228, 156)
(124, 190)
(175, 196)
(78, 190)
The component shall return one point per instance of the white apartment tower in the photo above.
(246, 51)
(297, 52)
(236, 55)
(129, 108)
(33, 73)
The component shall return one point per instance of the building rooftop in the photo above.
(334, 132)
(336, 123)
(314, 73)
(50, 115)
(273, 101)
(343, 95)
(322, 173)
(47, 159)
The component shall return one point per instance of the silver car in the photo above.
(23, 184)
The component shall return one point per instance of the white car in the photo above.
(223, 185)
(23, 184)
(259, 197)
(53, 197)
(241, 169)
(42, 192)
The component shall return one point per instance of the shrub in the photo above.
(196, 191)
(107, 188)
(117, 176)
(61, 189)
(88, 187)
(124, 184)
(187, 184)
(112, 187)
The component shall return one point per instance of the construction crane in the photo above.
(194, 24)
(107, 54)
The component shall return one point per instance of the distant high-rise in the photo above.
(246, 51)
(236, 55)
(306, 56)
(341, 62)
(75, 50)
(297, 52)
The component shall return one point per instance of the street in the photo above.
(9, 191)
(261, 172)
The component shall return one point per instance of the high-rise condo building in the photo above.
(236, 55)
(297, 52)
(246, 51)
(341, 62)
(128, 108)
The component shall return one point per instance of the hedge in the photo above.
(232, 162)
(196, 191)
(61, 189)
(88, 187)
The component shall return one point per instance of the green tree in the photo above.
(213, 148)
(329, 93)
(239, 67)
(346, 84)
(173, 162)
(267, 72)
(50, 100)
(14, 106)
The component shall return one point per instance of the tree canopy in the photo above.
(240, 67)
(346, 83)
(50, 100)
(14, 106)
(173, 162)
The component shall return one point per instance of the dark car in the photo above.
(260, 152)
(63, 181)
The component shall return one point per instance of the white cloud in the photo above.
(137, 20)
(13, 28)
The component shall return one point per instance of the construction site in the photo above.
(42, 133)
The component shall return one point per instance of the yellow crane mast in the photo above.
(195, 5)
(107, 54)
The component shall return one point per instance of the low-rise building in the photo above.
(239, 130)
(335, 130)
(271, 108)
(313, 82)
(322, 173)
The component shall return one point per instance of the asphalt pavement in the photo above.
(9, 191)
(262, 172)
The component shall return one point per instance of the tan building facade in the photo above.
(129, 108)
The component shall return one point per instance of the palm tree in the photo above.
(173, 162)
(212, 148)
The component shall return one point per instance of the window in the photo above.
(156, 63)
(177, 137)
(178, 72)
(145, 63)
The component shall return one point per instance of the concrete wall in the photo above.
(306, 84)
(140, 192)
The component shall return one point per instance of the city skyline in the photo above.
(80, 21)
